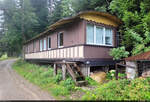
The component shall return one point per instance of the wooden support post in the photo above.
(55, 69)
(116, 73)
(64, 71)
(88, 70)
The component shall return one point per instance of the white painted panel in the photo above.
(65, 53)
(68, 53)
(57, 53)
(52, 55)
(61, 52)
(75, 52)
(80, 51)
(71, 52)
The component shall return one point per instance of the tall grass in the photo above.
(43, 77)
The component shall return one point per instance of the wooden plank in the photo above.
(71, 72)
(125, 65)
(78, 69)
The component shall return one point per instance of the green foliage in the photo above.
(119, 53)
(58, 78)
(43, 77)
(121, 75)
(137, 89)
(4, 56)
(135, 31)
(19, 20)
(110, 75)
(91, 81)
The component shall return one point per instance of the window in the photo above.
(60, 39)
(41, 45)
(49, 42)
(90, 34)
(98, 35)
(108, 37)
(44, 48)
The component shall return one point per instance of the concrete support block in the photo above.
(85, 69)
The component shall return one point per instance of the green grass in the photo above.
(43, 77)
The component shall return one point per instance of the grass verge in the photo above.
(43, 77)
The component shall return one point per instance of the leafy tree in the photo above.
(57, 13)
(136, 31)
(41, 10)
(19, 20)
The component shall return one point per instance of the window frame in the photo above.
(49, 48)
(104, 35)
(58, 40)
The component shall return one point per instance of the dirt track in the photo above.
(15, 87)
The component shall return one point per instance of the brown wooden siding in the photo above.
(96, 52)
(74, 34)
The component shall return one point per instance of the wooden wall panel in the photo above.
(72, 52)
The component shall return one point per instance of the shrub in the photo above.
(138, 89)
(58, 78)
(118, 53)
(4, 56)
(110, 75)
(91, 81)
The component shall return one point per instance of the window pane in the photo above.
(61, 39)
(44, 44)
(90, 34)
(49, 42)
(41, 45)
(99, 35)
(108, 36)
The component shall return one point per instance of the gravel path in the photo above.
(15, 87)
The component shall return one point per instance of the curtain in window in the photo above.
(108, 36)
(99, 35)
(90, 34)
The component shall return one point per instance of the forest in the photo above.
(24, 19)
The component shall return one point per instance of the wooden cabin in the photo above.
(85, 38)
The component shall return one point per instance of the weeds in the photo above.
(45, 79)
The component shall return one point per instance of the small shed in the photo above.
(140, 65)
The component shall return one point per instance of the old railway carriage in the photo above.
(86, 38)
